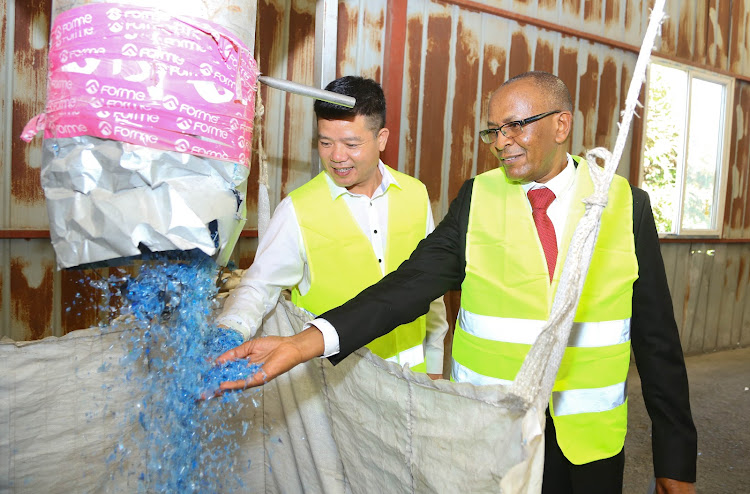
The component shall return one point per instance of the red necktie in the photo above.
(540, 200)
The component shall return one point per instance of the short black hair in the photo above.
(370, 101)
(552, 86)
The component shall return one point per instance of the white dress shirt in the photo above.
(281, 262)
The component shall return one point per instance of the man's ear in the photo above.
(382, 138)
(564, 126)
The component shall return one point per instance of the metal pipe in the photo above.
(312, 92)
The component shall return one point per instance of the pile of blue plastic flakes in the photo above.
(186, 444)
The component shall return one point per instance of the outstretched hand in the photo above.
(275, 354)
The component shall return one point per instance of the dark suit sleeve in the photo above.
(658, 354)
(436, 266)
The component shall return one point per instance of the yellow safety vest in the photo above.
(507, 297)
(340, 257)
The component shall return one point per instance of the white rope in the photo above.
(537, 375)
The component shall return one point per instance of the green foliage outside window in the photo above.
(661, 154)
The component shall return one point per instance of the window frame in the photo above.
(724, 146)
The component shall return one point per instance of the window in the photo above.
(686, 147)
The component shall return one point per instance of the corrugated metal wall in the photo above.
(438, 62)
(29, 295)
(710, 293)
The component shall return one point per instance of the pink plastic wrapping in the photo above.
(144, 77)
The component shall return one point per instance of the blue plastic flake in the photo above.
(186, 442)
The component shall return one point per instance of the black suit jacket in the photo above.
(438, 265)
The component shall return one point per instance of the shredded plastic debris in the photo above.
(186, 445)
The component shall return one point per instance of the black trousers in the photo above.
(563, 477)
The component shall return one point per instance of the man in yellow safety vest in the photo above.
(503, 243)
(343, 231)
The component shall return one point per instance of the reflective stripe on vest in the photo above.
(512, 330)
(412, 356)
(461, 373)
(589, 400)
(340, 257)
(506, 299)
(587, 335)
(581, 367)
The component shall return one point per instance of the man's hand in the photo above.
(670, 486)
(276, 355)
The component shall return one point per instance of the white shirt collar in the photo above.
(558, 184)
(387, 180)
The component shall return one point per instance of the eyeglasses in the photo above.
(512, 129)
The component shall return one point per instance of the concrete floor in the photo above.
(720, 401)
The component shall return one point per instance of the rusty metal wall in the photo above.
(737, 214)
(5, 115)
(30, 301)
(453, 54)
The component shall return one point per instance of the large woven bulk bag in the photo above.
(361, 426)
